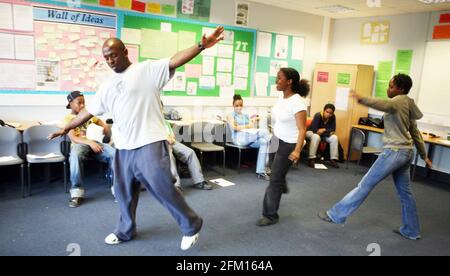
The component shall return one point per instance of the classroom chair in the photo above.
(228, 142)
(357, 141)
(36, 143)
(11, 145)
(203, 136)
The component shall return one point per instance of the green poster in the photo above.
(168, 9)
(384, 75)
(344, 78)
(404, 61)
(90, 1)
(194, 9)
(381, 89)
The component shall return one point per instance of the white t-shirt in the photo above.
(283, 116)
(133, 99)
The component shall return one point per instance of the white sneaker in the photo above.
(187, 242)
(112, 239)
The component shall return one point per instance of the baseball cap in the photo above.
(72, 96)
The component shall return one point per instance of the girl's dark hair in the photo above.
(404, 82)
(329, 106)
(300, 87)
(237, 97)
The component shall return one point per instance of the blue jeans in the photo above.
(397, 163)
(80, 152)
(259, 141)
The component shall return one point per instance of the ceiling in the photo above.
(360, 7)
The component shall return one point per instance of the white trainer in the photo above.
(112, 239)
(189, 241)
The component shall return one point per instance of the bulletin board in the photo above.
(223, 70)
(275, 51)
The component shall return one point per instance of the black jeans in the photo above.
(280, 165)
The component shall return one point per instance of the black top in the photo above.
(318, 123)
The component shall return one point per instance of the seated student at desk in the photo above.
(82, 147)
(323, 128)
(187, 156)
(244, 133)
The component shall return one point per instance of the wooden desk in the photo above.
(22, 126)
(426, 138)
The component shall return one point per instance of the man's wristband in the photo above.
(200, 46)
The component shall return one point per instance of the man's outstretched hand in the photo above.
(60, 133)
(214, 38)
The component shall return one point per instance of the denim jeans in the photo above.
(259, 141)
(397, 163)
(78, 153)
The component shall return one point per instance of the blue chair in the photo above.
(36, 143)
(11, 145)
(229, 144)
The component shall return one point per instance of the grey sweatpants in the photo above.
(149, 165)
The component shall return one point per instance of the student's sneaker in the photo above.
(179, 188)
(203, 186)
(112, 239)
(334, 164)
(265, 222)
(409, 238)
(312, 163)
(75, 202)
(189, 241)
(324, 216)
(264, 176)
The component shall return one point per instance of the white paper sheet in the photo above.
(7, 46)
(241, 58)
(224, 65)
(25, 80)
(281, 46)
(207, 82)
(240, 83)
(223, 79)
(261, 83)
(6, 19)
(24, 47)
(342, 94)
(227, 91)
(276, 65)
(320, 167)
(208, 65)
(298, 47)
(179, 81)
(225, 51)
(241, 70)
(192, 88)
(222, 182)
(23, 18)
(166, 27)
(264, 48)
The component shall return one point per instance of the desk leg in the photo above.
(413, 176)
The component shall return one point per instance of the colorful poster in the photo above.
(403, 62)
(48, 74)
(241, 14)
(194, 9)
(344, 78)
(375, 32)
(323, 76)
(441, 32)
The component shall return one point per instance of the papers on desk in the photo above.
(42, 157)
(251, 130)
(7, 158)
(222, 182)
(320, 167)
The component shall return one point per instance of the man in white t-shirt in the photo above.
(132, 95)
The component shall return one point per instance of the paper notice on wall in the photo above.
(7, 46)
(179, 81)
(281, 46)
(47, 74)
(223, 79)
(261, 83)
(188, 7)
(342, 98)
(241, 58)
(264, 48)
(131, 36)
(276, 65)
(207, 82)
(23, 18)
(6, 19)
(166, 27)
(225, 51)
(224, 65)
(242, 14)
(298, 47)
(193, 70)
(192, 88)
(274, 91)
(241, 70)
(186, 40)
(208, 65)
(25, 80)
(24, 47)
(227, 91)
(169, 86)
(240, 83)
(211, 52)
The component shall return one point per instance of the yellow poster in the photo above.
(154, 7)
(123, 4)
(375, 32)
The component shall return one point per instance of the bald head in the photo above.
(116, 54)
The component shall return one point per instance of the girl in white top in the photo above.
(289, 118)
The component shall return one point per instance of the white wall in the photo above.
(408, 31)
(262, 17)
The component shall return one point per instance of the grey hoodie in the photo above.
(400, 127)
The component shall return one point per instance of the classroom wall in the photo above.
(262, 17)
(408, 31)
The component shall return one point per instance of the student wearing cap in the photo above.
(132, 96)
(82, 147)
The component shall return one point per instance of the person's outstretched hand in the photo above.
(211, 40)
(60, 133)
(355, 95)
